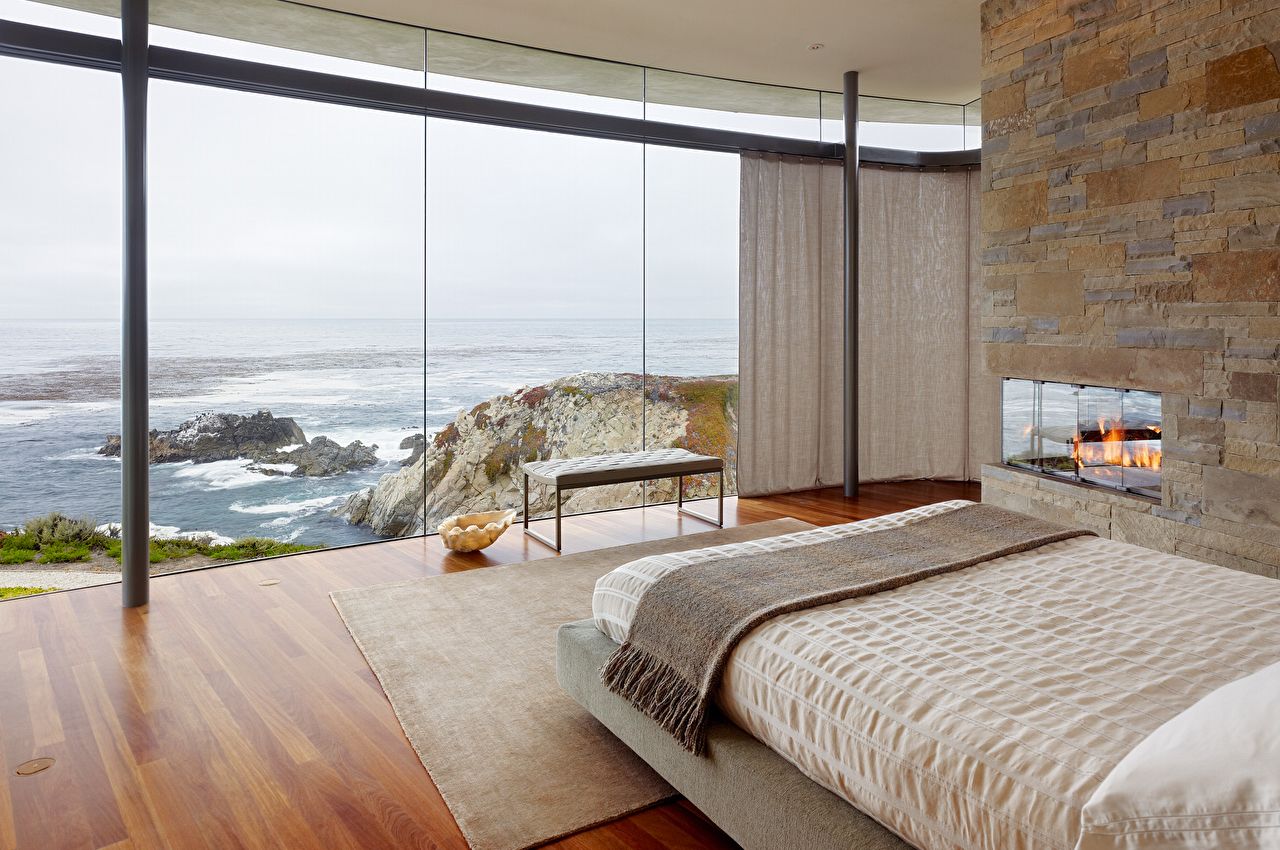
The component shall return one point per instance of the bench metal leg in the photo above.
(554, 544)
(681, 509)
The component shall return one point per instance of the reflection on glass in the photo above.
(691, 311)
(92, 17)
(973, 124)
(535, 286)
(484, 68)
(1099, 435)
(293, 35)
(731, 105)
(286, 278)
(910, 125)
(60, 281)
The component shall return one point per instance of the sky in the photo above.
(269, 207)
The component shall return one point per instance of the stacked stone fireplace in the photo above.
(1131, 239)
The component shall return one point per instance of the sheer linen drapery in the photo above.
(790, 324)
(926, 407)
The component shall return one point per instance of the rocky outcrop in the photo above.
(259, 438)
(473, 464)
(218, 436)
(418, 444)
(322, 456)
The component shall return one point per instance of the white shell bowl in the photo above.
(472, 532)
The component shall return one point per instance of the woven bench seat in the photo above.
(622, 468)
(574, 472)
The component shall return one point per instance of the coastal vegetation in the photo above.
(59, 539)
(15, 592)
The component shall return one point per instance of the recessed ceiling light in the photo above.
(817, 45)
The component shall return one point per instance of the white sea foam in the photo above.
(220, 474)
(285, 468)
(386, 439)
(302, 507)
(278, 522)
(23, 413)
(172, 532)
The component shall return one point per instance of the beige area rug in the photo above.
(468, 662)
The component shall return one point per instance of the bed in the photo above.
(985, 708)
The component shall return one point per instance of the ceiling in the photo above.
(913, 49)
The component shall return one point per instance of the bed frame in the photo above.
(759, 798)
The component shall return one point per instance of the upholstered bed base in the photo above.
(757, 797)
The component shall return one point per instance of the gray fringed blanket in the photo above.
(687, 624)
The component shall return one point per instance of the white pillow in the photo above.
(1209, 778)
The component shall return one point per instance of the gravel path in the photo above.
(56, 579)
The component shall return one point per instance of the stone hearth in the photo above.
(1131, 237)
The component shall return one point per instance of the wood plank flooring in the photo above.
(229, 714)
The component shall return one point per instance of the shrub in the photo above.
(14, 555)
(63, 553)
(19, 540)
(256, 547)
(60, 528)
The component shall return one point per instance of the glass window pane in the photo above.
(535, 289)
(731, 105)
(1019, 438)
(287, 325)
(294, 36)
(910, 125)
(476, 66)
(93, 17)
(60, 285)
(973, 124)
(832, 116)
(691, 310)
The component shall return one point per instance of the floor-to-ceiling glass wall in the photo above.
(60, 344)
(691, 309)
(287, 322)
(535, 347)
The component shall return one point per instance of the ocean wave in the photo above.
(24, 413)
(172, 532)
(278, 522)
(285, 468)
(301, 507)
(220, 474)
(81, 454)
(386, 439)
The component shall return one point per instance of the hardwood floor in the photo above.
(229, 714)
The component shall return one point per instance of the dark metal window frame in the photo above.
(165, 63)
(137, 62)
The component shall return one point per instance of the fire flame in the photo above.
(1114, 450)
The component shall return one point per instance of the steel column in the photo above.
(134, 442)
(851, 283)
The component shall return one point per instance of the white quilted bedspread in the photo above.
(981, 708)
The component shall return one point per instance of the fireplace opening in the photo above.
(1094, 435)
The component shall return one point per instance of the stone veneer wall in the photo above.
(1131, 238)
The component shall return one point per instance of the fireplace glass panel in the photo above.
(1096, 435)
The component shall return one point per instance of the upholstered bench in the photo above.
(598, 470)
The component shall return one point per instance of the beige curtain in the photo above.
(913, 375)
(926, 407)
(790, 316)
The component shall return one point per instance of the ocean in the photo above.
(371, 380)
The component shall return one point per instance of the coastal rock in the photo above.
(218, 436)
(473, 463)
(418, 443)
(320, 457)
(259, 438)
